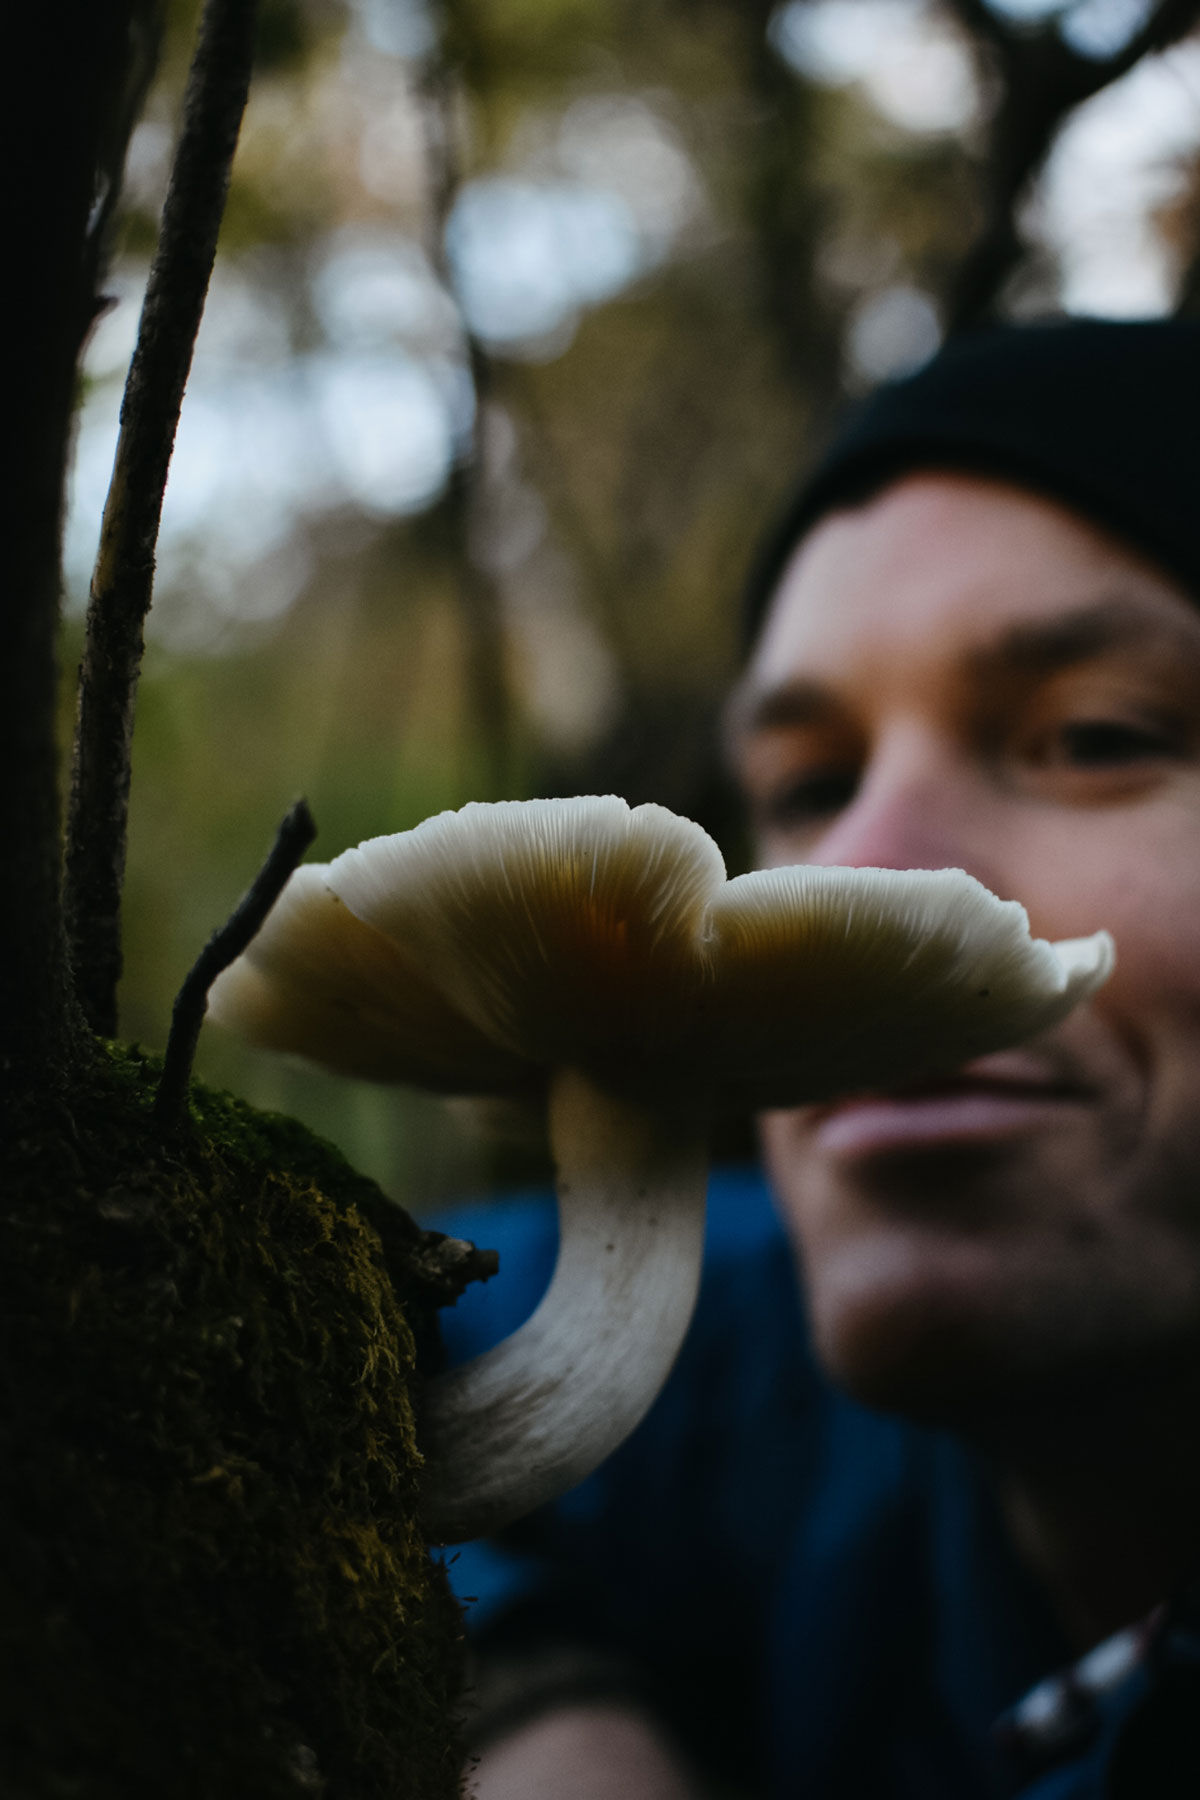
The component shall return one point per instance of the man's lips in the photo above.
(994, 1097)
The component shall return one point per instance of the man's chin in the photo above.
(930, 1342)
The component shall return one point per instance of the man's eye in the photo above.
(808, 798)
(1110, 744)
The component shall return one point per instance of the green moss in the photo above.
(212, 1582)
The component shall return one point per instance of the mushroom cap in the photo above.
(320, 982)
(488, 946)
(831, 980)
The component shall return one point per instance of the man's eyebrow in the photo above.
(798, 702)
(1034, 647)
(1046, 646)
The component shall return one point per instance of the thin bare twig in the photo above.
(1042, 79)
(243, 925)
(124, 574)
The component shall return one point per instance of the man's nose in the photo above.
(919, 805)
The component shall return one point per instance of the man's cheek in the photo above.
(1148, 898)
(802, 1181)
(1151, 1005)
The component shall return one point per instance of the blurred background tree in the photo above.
(525, 318)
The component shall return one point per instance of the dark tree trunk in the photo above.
(66, 85)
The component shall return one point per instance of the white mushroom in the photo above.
(598, 953)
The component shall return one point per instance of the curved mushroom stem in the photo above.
(530, 1418)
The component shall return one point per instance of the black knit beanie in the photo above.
(1100, 414)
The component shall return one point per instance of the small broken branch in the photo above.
(1042, 79)
(123, 579)
(243, 925)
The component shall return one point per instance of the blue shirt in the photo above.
(820, 1602)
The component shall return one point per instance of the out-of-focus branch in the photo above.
(487, 680)
(1182, 218)
(145, 41)
(124, 574)
(607, 564)
(1187, 300)
(1041, 79)
(787, 215)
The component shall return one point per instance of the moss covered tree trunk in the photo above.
(212, 1576)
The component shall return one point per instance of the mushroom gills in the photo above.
(530, 1418)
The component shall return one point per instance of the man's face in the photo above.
(958, 674)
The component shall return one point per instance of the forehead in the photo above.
(938, 569)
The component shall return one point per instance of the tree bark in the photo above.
(67, 95)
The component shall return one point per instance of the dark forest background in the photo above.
(525, 317)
